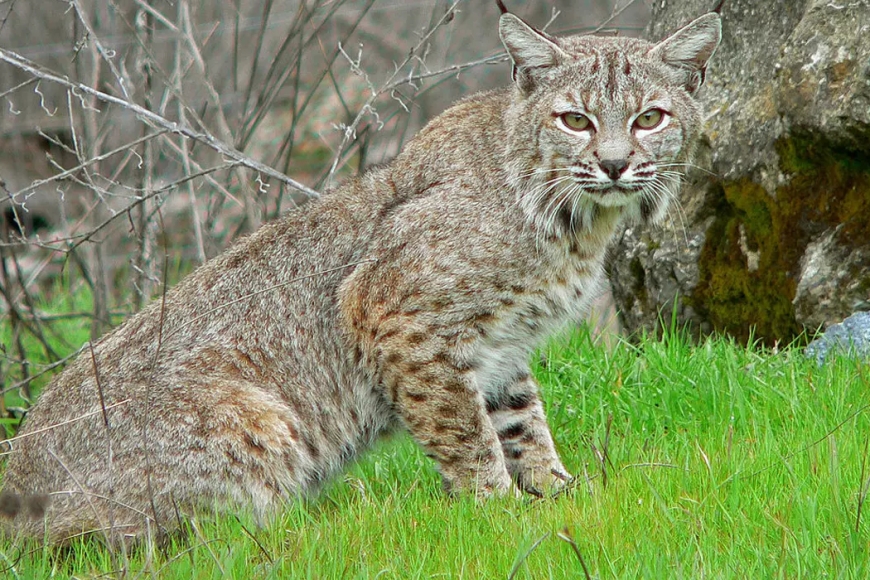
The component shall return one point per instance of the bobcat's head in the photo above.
(602, 122)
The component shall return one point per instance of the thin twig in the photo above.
(277, 74)
(836, 428)
(150, 381)
(256, 541)
(565, 536)
(110, 456)
(864, 483)
(85, 164)
(86, 494)
(255, 57)
(90, 234)
(18, 86)
(17, 438)
(196, 54)
(108, 55)
(199, 536)
(35, 329)
(349, 131)
(649, 464)
(69, 492)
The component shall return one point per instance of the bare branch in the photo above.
(156, 120)
(107, 55)
(349, 131)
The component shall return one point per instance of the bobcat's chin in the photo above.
(639, 203)
(637, 207)
(615, 195)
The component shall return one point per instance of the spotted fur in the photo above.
(409, 298)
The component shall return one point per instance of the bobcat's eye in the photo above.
(576, 121)
(650, 119)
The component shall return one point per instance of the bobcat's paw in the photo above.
(546, 480)
(482, 486)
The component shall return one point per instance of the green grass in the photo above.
(719, 461)
(66, 328)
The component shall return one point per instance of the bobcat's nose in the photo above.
(614, 168)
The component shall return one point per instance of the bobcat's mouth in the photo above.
(619, 187)
(614, 194)
(599, 187)
(608, 189)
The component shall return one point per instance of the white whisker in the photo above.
(689, 165)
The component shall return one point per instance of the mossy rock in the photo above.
(750, 263)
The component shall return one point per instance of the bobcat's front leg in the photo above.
(518, 417)
(447, 417)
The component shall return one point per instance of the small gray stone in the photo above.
(851, 337)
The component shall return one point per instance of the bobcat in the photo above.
(410, 297)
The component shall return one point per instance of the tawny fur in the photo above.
(410, 297)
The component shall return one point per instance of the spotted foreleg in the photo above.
(447, 417)
(518, 417)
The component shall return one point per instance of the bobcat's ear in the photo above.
(689, 49)
(530, 51)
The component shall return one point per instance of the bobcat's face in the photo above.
(612, 134)
(607, 122)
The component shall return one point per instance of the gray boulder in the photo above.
(772, 233)
(851, 338)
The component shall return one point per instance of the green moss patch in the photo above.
(750, 261)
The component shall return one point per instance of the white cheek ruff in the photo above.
(504, 353)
